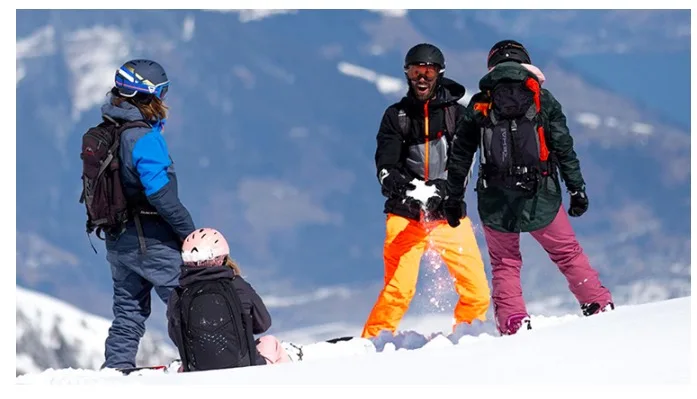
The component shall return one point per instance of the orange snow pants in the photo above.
(405, 242)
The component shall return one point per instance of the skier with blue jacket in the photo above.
(147, 252)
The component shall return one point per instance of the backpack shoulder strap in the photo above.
(179, 330)
(132, 124)
(138, 123)
(184, 303)
(450, 118)
(240, 319)
(120, 128)
(117, 138)
(403, 122)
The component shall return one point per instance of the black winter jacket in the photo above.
(424, 151)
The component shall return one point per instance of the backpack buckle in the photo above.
(519, 170)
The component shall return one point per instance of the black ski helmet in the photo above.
(425, 53)
(507, 50)
(141, 76)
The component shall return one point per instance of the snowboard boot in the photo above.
(590, 309)
(514, 323)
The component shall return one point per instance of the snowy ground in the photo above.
(633, 345)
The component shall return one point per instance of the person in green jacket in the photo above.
(524, 147)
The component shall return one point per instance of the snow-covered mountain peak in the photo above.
(54, 334)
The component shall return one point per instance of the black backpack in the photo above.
(215, 332)
(514, 155)
(102, 191)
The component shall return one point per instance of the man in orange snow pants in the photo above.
(413, 142)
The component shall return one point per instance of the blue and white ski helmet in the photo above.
(141, 76)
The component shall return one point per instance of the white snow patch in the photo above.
(25, 364)
(611, 122)
(93, 56)
(52, 326)
(389, 84)
(678, 268)
(384, 83)
(588, 119)
(38, 44)
(320, 294)
(257, 15)
(341, 349)
(21, 72)
(657, 350)
(33, 251)
(316, 333)
(643, 129)
(357, 71)
(376, 49)
(393, 13)
(650, 290)
(594, 121)
(188, 29)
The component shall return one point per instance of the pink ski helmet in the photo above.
(205, 247)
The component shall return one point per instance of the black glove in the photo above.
(434, 202)
(394, 184)
(454, 210)
(579, 203)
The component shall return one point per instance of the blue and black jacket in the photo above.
(149, 179)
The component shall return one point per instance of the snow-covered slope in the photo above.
(54, 334)
(633, 344)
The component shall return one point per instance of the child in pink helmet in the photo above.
(214, 313)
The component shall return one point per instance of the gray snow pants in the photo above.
(134, 276)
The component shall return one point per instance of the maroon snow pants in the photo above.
(559, 241)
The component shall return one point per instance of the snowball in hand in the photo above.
(422, 192)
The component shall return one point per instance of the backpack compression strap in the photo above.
(534, 86)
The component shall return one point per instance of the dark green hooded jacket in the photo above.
(500, 210)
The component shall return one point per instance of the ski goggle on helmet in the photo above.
(141, 76)
(428, 71)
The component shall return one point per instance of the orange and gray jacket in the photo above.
(423, 151)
